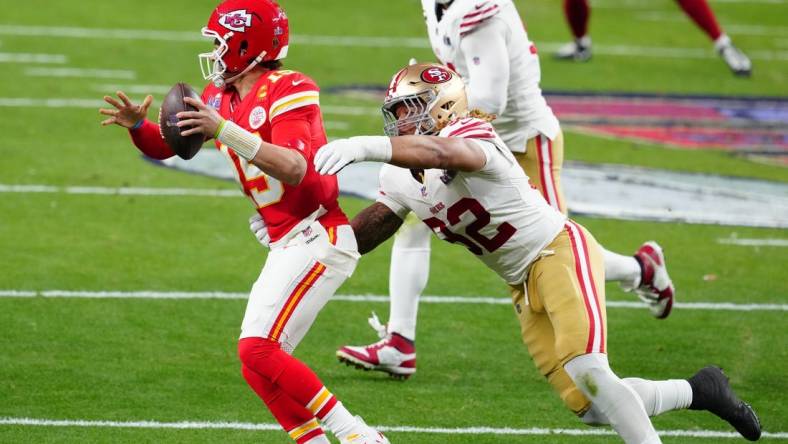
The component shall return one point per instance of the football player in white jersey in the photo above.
(467, 187)
(486, 42)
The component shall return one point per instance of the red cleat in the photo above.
(394, 354)
(656, 288)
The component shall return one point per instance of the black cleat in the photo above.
(711, 391)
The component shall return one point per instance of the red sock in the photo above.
(297, 420)
(700, 12)
(577, 13)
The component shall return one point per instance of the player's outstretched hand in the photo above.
(205, 120)
(259, 229)
(338, 154)
(334, 156)
(125, 114)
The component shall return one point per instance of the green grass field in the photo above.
(174, 360)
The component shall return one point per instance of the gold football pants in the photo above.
(561, 309)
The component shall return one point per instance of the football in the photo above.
(185, 147)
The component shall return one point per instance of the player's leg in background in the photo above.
(395, 353)
(644, 272)
(569, 283)
(577, 13)
(292, 289)
(408, 275)
(542, 163)
(701, 13)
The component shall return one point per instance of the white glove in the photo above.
(259, 229)
(334, 156)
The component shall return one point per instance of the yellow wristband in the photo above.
(219, 129)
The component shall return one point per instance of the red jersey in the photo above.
(282, 108)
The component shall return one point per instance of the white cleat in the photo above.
(364, 435)
(656, 289)
(739, 63)
(578, 50)
(736, 60)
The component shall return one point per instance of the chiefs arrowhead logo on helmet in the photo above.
(436, 75)
(245, 33)
(236, 21)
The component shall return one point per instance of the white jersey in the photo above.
(494, 212)
(482, 38)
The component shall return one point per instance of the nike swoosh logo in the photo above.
(297, 82)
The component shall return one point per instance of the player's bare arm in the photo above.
(279, 162)
(455, 154)
(446, 153)
(373, 225)
(125, 113)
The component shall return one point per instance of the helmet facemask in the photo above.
(418, 116)
(211, 63)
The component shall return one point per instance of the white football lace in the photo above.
(380, 328)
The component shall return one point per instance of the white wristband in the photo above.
(376, 148)
(239, 140)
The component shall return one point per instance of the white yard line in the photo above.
(110, 88)
(649, 4)
(27, 102)
(427, 299)
(358, 41)
(768, 242)
(77, 102)
(122, 191)
(336, 125)
(479, 430)
(82, 73)
(733, 29)
(23, 57)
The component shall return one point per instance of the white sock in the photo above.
(612, 398)
(320, 439)
(340, 421)
(658, 397)
(623, 269)
(662, 396)
(408, 275)
(723, 41)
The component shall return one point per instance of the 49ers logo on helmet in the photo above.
(237, 20)
(436, 74)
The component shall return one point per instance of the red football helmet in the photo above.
(246, 32)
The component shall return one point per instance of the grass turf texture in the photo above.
(175, 360)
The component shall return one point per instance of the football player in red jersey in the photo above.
(578, 13)
(267, 122)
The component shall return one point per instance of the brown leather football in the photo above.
(185, 147)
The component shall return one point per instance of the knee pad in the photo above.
(256, 352)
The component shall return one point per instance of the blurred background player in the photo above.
(466, 185)
(487, 44)
(578, 13)
(267, 122)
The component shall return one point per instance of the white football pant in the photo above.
(297, 280)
